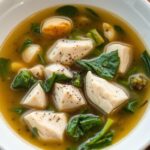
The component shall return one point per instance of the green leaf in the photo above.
(4, 68)
(25, 44)
(131, 106)
(41, 59)
(23, 80)
(19, 110)
(92, 14)
(79, 125)
(67, 10)
(119, 29)
(106, 65)
(48, 83)
(146, 59)
(77, 80)
(35, 28)
(95, 35)
(101, 139)
(34, 132)
(61, 77)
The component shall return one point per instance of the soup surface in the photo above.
(87, 29)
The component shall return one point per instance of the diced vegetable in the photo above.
(77, 80)
(35, 28)
(146, 59)
(48, 83)
(67, 10)
(19, 110)
(23, 80)
(138, 81)
(37, 71)
(131, 106)
(80, 124)
(101, 139)
(4, 68)
(15, 66)
(119, 29)
(92, 14)
(105, 65)
(96, 37)
(25, 44)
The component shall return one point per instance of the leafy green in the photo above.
(61, 77)
(101, 139)
(25, 44)
(77, 80)
(48, 83)
(119, 29)
(146, 59)
(92, 14)
(106, 65)
(80, 124)
(23, 80)
(41, 59)
(95, 35)
(19, 110)
(131, 106)
(67, 10)
(34, 132)
(35, 28)
(71, 148)
(4, 68)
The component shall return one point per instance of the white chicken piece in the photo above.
(105, 95)
(50, 126)
(35, 97)
(30, 53)
(125, 52)
(109, 32)
(56, 27)
(67, 98)
(37, 71)
(57, 69)
(67, 51)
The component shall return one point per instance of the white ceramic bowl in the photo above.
(135, 12)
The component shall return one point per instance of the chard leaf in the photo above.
(4, 68)
(119, 29)
(131, 106)
(35, 28)
(80, 124)
(92, 14)
(34, 132)
(77, 80)
(23, 80)
(41, 59)
(106, 65)
(19, 110)
(25, 44)
(61, 77)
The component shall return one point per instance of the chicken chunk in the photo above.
(67, 51)
(50, 126)
(67, 97)
(109, 32)
(125, 52)
(103, 94)
(58, 69)
(35, 98)
(30, 53)
(56, 27)
(37, 71)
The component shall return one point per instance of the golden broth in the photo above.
(125, 122)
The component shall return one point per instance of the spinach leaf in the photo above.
(19, 110)
(34, 132)
(67, 10)
(106, 65)
(119, 29)
(48, 83)
(35, 28)
(23, 80)
(4, 68)
(92, 14)
(25, 44)
(101, 139)
(131, 106)
(61, 77)
(77, 80)
(80, 124)
(146, 59)
(41, 59)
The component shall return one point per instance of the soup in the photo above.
(73, 77)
